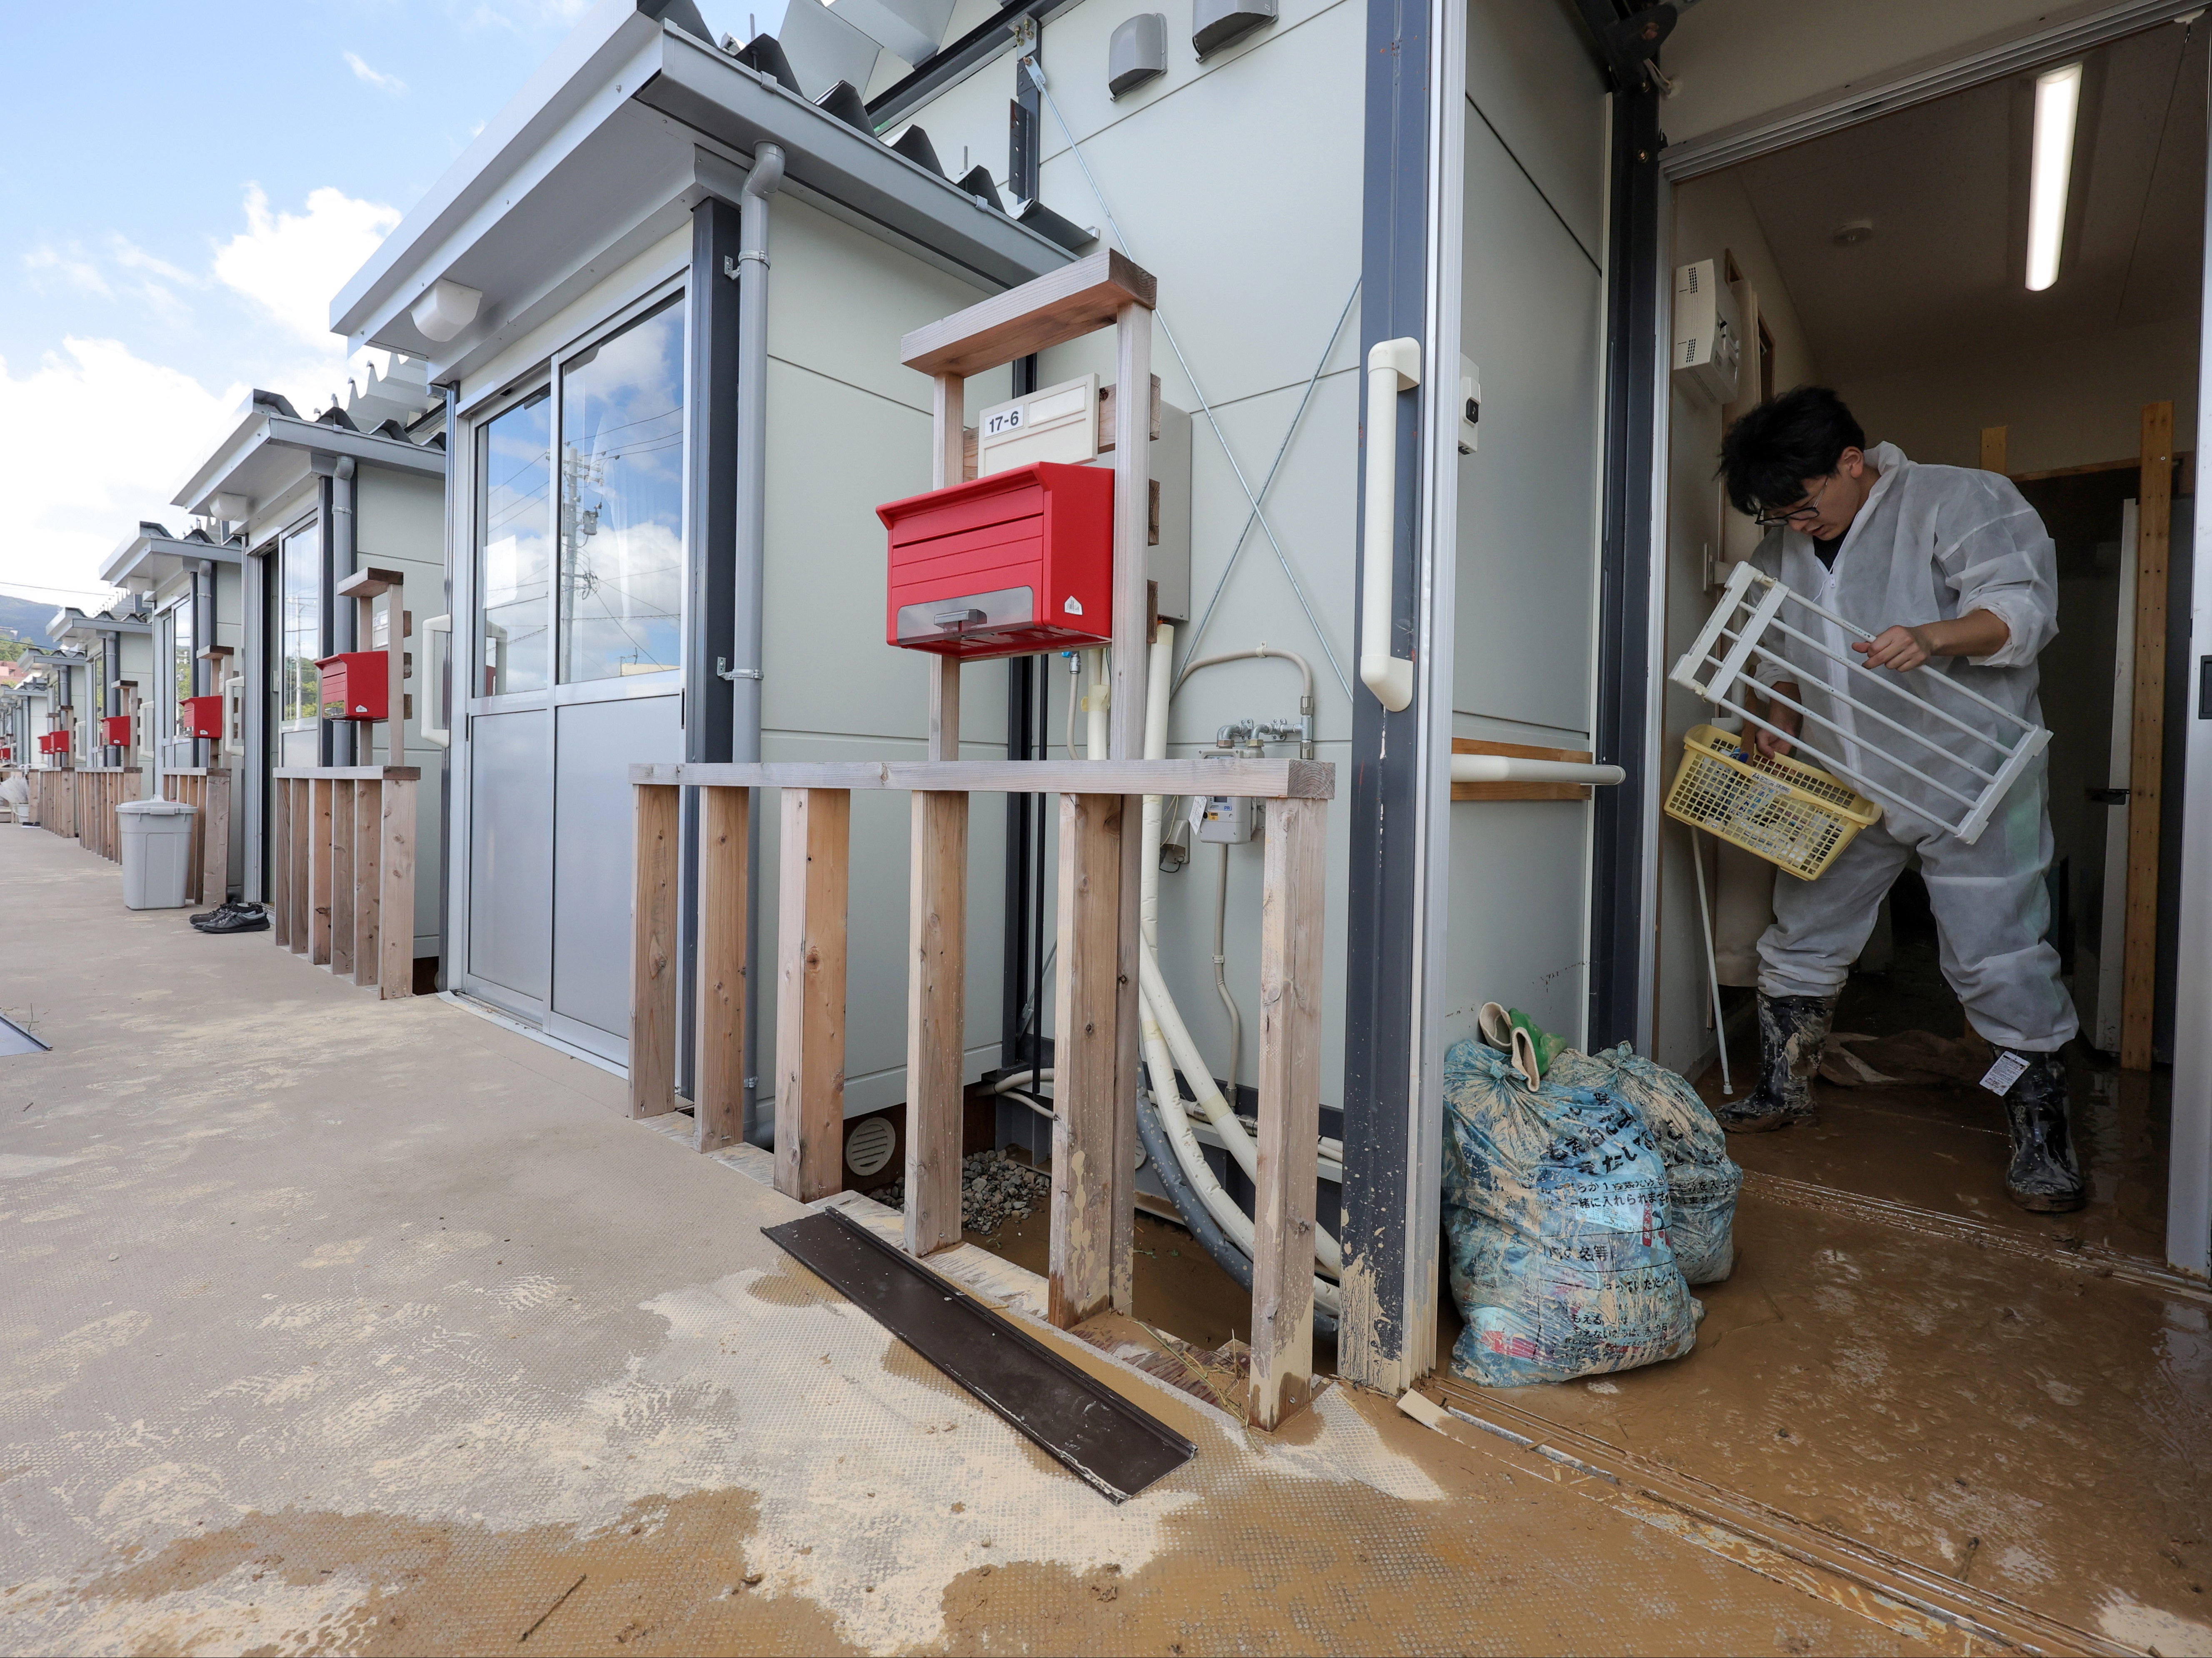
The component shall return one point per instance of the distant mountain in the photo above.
(26, 619)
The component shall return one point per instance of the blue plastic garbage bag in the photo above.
(1555, 1205)
(1702, 1181)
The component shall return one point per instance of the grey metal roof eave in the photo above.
(560, 88)
(126, 560)
(309, 438)
(715, 95)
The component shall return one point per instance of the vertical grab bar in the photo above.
(1393, 365)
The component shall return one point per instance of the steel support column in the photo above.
(1620, 947)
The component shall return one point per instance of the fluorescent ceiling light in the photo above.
(2058, 99)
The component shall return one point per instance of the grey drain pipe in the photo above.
(765, 179)
(342, 551)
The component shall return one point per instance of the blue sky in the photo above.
(183, 188)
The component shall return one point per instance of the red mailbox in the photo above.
(115, 731)
(1011, 564)
(54, 743)
(356, 685)
(203, 717)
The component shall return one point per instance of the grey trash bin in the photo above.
(157, 852)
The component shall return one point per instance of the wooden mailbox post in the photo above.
(1096, 1074)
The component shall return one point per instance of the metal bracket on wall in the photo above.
(724, 671)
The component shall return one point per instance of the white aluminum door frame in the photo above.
(2189, 1175)
(630, 307)
(2188, 1178)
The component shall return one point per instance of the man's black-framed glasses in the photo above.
(1804, 512)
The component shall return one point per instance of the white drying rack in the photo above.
(1974, 786)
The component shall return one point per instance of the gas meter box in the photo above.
(356, 685)
(1008, 565)
(202, 716)
(115, 731)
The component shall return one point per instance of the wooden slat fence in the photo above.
(1094, 1129)
(208, 792)
(99, 790)
(343, 852)
(53, 796)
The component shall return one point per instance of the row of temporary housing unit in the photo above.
(674, 302)
(203, 684)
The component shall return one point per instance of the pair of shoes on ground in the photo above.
(232, 917)
(1793, 1032)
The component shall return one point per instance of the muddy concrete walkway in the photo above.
(328, 1325)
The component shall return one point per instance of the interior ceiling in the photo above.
(1946, 184)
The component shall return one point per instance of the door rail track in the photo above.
(1914, 1599)
(2096, 1259)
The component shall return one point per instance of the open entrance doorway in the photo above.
(1994, 1412)
(1891, 260)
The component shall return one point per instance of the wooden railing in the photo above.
(344, 840)
(53, 798)
(99, 790)
(208, 792)
(1094, 1050)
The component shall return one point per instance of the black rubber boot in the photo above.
(1793, 1030)
(2044, 1177)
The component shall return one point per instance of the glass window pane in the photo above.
(515, 465)
(298, 695)
(622, 502)
(180, 669)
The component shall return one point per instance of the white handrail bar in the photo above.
(1393, 365)
(1516, 769)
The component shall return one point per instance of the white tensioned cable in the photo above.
(1267, 483)
(1266, 529)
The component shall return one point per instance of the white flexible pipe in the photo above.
(1157, 670)
(1095, 703)
(1394, 366)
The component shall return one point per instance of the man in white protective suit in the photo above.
(1938, 563)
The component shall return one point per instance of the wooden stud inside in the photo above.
(1090, 1179)
(1994, 446)
(1293, 869)
(809, 1003)
(653, 961)
(724, 849)
(2154, 535)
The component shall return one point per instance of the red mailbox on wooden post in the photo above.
(203, 717)
(115, 731)
(356, 685)
(1020, 561)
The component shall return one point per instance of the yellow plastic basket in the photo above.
(1786, 811)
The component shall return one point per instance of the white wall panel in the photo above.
(1532, 81)
(1528, 497)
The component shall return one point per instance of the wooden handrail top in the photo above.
(1265, 779)
(352, 774)
(198, 771)
(1050, 310)
(97, 771)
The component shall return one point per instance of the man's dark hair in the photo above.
(1768, 453)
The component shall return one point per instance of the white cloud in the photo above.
(382, 82)
(97, 438)
(46, 262)
(291, 263)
